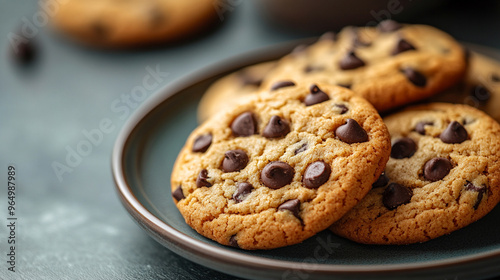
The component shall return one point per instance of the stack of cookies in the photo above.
(320, 139)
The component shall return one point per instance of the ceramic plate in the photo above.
(142, 161)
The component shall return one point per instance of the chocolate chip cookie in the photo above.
(225, 92)
(132, 23)
(480, 87)
(443, 174)
(279, 167)
(390, 65)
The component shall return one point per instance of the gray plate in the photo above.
(142, 161)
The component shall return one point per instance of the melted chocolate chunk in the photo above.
(247, 79)
(454, 133)
(292, 205)
(202, 143)
(395, 195)
(233, 242)
(100, 30)
(436, 169)
(244, 125)
(301, 148)
(389, 25)
(480, 93)
(178, 194)
(316, 174)
(316, 96)
(282, 84)
(480, 193)
(402, 46)
(343, 108)
(345, 85)
(351, 132)
(415, 77)
(310, 69)
(382, 181)
(202, 180)
(234, 160)
(277, 127)
(243, 190)
(351, 61)
(420, 127)
(277, 174)
(403, 148)
(156, 17)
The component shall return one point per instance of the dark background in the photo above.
(76, 228)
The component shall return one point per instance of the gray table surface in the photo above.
(74, 227)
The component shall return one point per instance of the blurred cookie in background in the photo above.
(480, 87)
(325, 15)
(227, 90)
(133, 23)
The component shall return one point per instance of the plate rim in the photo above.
(181, 242)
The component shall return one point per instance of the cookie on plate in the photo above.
(443, 174)
(225, 91)
(131, 23)
(390, 65)
(480, 87)
(280, 167)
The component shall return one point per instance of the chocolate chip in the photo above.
(436, 169)
(301, 148)
(178, 194)
(415, 77)
(389, 25)
(420, 127)
(202, 180)
(156, 17)
(343, 108)
(24, 52)
(277, 174)
(243, 190)
(480, 93)
(382, 181)
(277, 127)
(316, 174)
(403, 148)
(495, 77)
(282, 84)
(402, 46)
(330, 36)
(244, 125)
(234, 160)
(202, 143)
(480, 192)
(351, 61)
(345, 85)
(247, 79)
(351, 132)
(292, 205)
(100, 30)
(233, 242)
(395, 195)
(454, 133)
(316, 96)
(310, 69)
